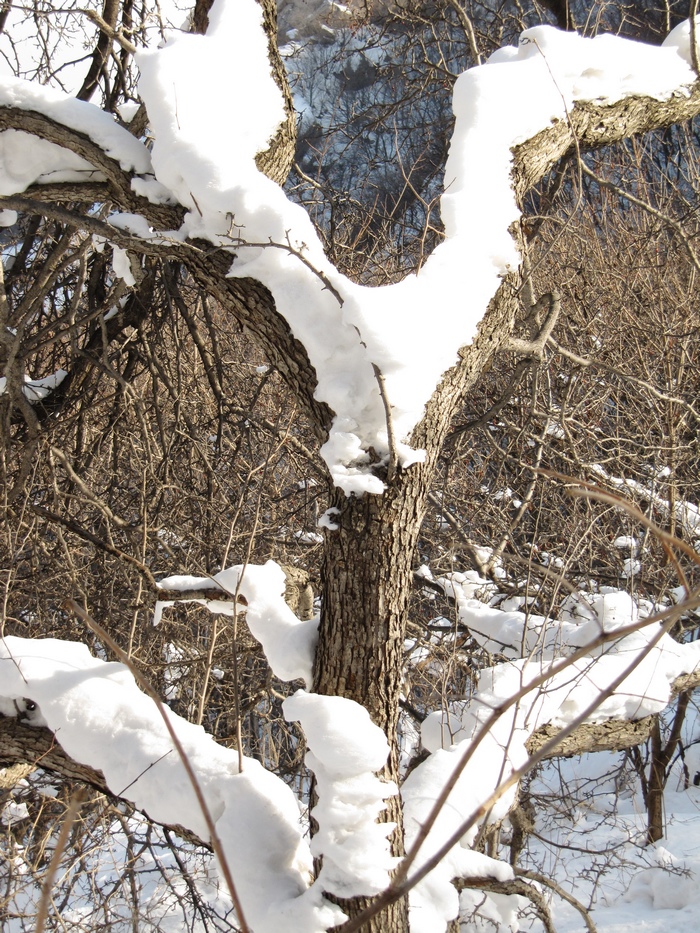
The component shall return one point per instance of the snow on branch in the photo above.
(209, 127)
(101, 718)
(51, 138)
(288, 642)
(345, 748)
(34, 390)
(176, 774)
(498, 106)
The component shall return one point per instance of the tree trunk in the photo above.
(367, 580)
(655, 788)
(661, 756)
(367, 576)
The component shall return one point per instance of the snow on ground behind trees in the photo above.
(592, 841)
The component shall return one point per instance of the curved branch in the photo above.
(43, 127)
(276, 161)
(614, 735)
(247, 300)
(590, 125)
(514, 886)
(562, 892)
(154, 246)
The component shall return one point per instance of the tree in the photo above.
(184, 219)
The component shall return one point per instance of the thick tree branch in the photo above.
(277, 159)
(615, 735)
(246, 299)
(118, 180)
(590, 125)
(37, 746)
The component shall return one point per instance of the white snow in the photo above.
(327, 520)
(207, 135)
(80, 116)
(104, 720)
(35, 390)
(308, 537)
(496, 106)
(678, 39)
(345, 748)
(289, 643)
(122, 266)
(626, 542)
(685, 512)
(434, 901)
(631, 887)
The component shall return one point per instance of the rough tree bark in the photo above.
(367, 574)
(368, 561)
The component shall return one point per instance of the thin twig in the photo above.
(400, 885)
(655, 212)
(61, 843)
(514, 886)
(298, 254)
(585, 362)
(592, 490)
(563, 894)
(468, 28)
(114, 34)
(393, 458)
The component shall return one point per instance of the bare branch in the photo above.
(393, 458)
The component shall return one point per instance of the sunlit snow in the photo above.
(206, 137)
(289, 643)
(212, 106)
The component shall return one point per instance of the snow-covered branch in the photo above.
(289, 643)
(515, 117)
(102, 719)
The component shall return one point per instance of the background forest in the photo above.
(172, 445)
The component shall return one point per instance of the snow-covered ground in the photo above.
(595, 849)
(592, 849)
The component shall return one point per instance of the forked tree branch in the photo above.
(589, 125)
